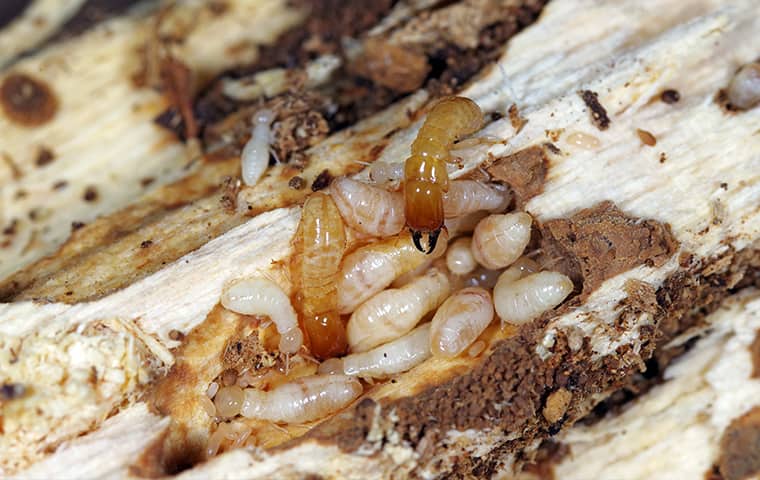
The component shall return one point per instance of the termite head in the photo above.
(423, 208)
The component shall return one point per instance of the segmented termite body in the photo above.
(468, 196)
(425, 176)
(258, 296)
(368, 209)
(499, 240)
(392, 313)
(460, 320)
(520, 298)
(397, 356)
(319, 246)
(302, 400)
(459, 258)
(255, 154)
(369, 269)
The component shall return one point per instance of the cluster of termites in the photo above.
(368, 301)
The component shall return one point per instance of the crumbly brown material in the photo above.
(740, 447)
(514, 377)
(598, 113)
(524, 171)
(600, 242)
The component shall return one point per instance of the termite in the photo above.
(425, 176)
(319, 245)
(302, 400)
(460, 320)
(499, 240)
(391, 313)
(258, 296)
(397, 356)
(368, 209)
(255, 154)
(520, 296)
(468, 196)
(369, 269)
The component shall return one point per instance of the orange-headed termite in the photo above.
(425, 176)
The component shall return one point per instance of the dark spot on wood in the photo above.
(517, 121)
(724, 185)
(663, 157)
(670, 96)
(12, 391)
(76, 225)
(297, 183)
(740, 447)
(598, 113)
(218, 7)
(146, 243)
(496, 116)
(90, 194)
(322, 181)
(230, 188)
(11, 228)
(176, 335)
(147, 181)
(375, 152)
(21, 193)
(27, 101)
(16, 172)
(646, 137)
(44, 156)
(552, 148)
(60, 185)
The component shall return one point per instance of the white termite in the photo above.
(744, 90)
(499, 240)
(397, 356)
(520, 299)
(259, 296)
(460, 321)
(386, 175)
(369, 269)
(392, 313)
(368, 209)
(459, 258)
(255, 154)
(302, 400)
(467, 196)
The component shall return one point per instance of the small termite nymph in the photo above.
(303, 400)
(425, 176)
(386, 175)
(519, 299)
(394, 357)
(499, 240)
(460, 320)
(459, 258)
(468, 196)
(392, 313)
(368, 209)
(255, 154)
(319, 245)
(369, 269)
(258, 296)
